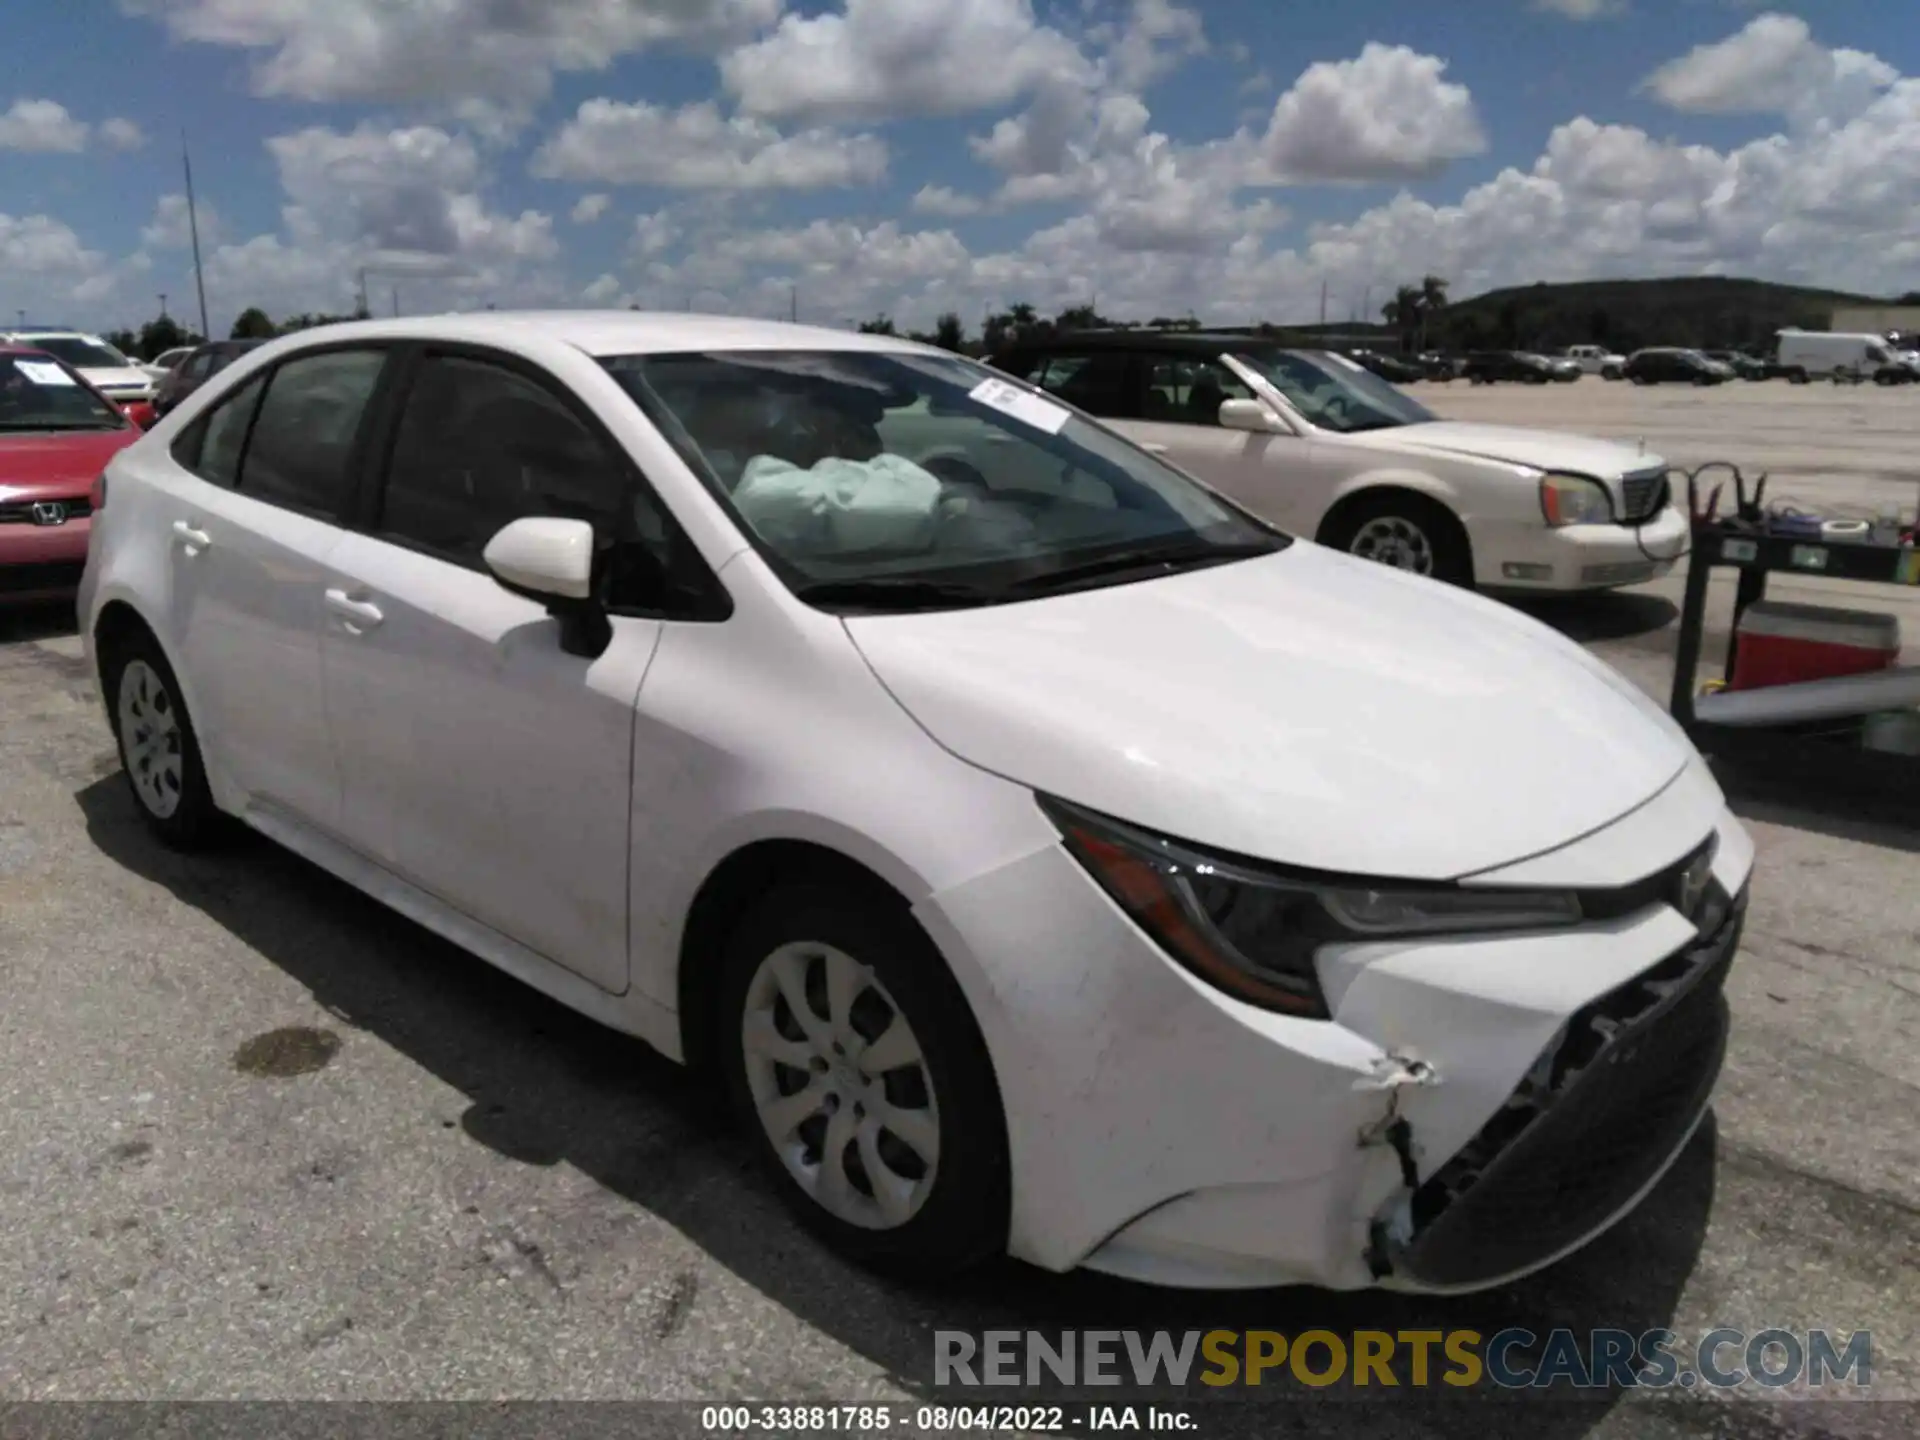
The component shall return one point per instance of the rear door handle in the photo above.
(360, 615)
(1153, 447)
(191, 538)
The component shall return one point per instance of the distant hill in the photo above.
(1706, 311)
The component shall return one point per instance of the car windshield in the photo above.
(893, 480)
(81, 353)
(1335, 393)
(37, 394)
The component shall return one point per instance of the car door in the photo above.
(482, 762)
(1180, 402)
(252, 518)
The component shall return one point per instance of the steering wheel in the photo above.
(957, 474)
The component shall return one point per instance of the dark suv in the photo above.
(1485, 367)
(1663, 366)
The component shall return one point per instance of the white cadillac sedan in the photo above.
(1312, 441)
(1046, 856)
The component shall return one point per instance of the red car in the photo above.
(56, 435)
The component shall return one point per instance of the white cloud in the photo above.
(1157, 36)
(1582, 9)
(39, 245)
(454, 52)
(880, 59)
(1772, 66)
(1388, 114)
(122, 134)
(695, 147)
(44, 126)
(410, 192)
(601, 291)
(589, 208)
(172, 229)
(941, 200)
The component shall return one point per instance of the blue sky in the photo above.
(912, 156)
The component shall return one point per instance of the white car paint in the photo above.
(1488, 477)
(125, 381)
(1594, 359)
(415, 728)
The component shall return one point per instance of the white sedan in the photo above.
(1044, 855)
(1318, 445)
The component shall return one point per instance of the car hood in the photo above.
(1304, 708)
(46, 466)
(1541, 449)
(117, 376)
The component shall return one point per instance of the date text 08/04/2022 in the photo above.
(879, 1419)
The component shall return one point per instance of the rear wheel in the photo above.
(158, 747)
(854, 1061)
(1405, 531)
(1797, 375)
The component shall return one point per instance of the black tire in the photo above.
(194, 822)
(962, 1219)
(1610, 372)
(1798, 376)
(1446, 538)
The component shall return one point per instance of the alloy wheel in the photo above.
(840, 1085)
(150, 736)
(1393, 540)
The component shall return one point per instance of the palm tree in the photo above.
(1433, 299)
(1403, 313)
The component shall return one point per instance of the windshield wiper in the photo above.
(899, 592)
(1149, 557)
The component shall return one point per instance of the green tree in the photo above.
(163, 334)
(125, 341)
(253, 324)
(950, 333)
(879, 325)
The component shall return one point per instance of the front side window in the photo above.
(480, 446)
(1335, 393)
(907, 481)
(38, 394)
(303, 435)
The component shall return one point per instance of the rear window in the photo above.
(42, 394)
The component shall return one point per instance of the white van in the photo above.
(1814, 354)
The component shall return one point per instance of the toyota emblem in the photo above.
(48, 512)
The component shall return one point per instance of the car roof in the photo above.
(612, 332)
(52, 334)
(1199, 342)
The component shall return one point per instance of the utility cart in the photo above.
(1850, 726)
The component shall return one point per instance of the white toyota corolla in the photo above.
(1046, 856)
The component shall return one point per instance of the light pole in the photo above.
(163, 304)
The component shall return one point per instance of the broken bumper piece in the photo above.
(1605, 1113)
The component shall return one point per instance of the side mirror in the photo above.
(1249, 415)
(551, 560)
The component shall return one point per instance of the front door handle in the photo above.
(359, 615)
(194, 540)
(1153, 447)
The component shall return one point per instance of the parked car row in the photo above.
(991, 810)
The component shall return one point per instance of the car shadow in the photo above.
(1608, 615)
(37, 620)
(1871, 817)
(545, 1086)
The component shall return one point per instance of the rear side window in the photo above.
(1097, 383)
(212, 445)
(304, 434)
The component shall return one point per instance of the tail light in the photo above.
(97, 497)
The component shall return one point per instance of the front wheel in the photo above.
(1407, 532)
(853, 1059)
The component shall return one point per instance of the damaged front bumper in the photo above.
(1475, 1109)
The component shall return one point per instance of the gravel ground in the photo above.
(260, 1139)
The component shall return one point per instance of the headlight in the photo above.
(1574, 500)
(1255, 931)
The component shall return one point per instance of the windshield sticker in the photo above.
(42, 373)
(1022, 405)
(1347, 361)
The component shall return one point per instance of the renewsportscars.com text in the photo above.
(1511, 1359)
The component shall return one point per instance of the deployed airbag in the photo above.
(839, 505)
